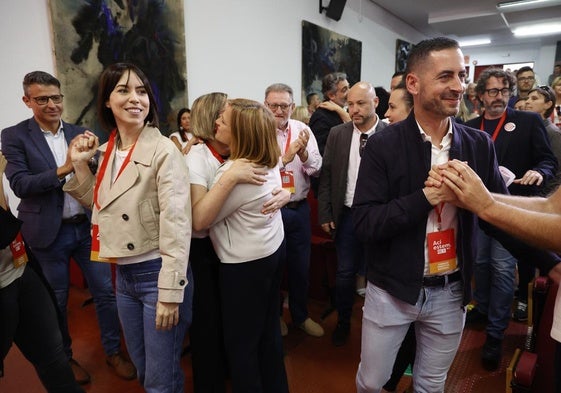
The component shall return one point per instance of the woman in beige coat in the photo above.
(141, 217)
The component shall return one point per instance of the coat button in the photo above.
(125, 217)
(130, 246)
(182, 282)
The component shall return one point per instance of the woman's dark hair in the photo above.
(182, 132)
(107, 82)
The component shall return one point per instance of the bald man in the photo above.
(339, 173)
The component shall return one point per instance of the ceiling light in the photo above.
(541, 29)
(506, 5)
(475, 42)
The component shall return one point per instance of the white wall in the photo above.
(543, 57)
(235, 46)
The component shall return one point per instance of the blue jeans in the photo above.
(350, 261)
(155, 353)
(494, 275)
(439, 320)
(298, 236)
(74, 241)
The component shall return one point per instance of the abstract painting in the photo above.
(402, 49)
(323, 52)
(89, 35)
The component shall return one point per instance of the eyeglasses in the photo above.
(494, 92)
(44, 100)
(274, 107)
(526, 79)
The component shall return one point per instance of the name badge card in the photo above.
(442, 251)
(18, 251)
(94, 255)
(287, 178)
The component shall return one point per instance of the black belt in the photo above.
(76, 219)
(440, 281)
(295, 204)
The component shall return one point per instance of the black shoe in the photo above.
(474, 316)
(341, 334)
(491, 353)
(521, 312)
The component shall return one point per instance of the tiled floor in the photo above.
(313, 365)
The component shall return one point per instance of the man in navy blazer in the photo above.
(419, 246)
(522, 146)
(55, 226)
(339, 172)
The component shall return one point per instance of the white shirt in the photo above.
(202, 169)
(556, 325)
(449, 213)
(241, 233)
(301, 171)
(59, 148)
(354, 162)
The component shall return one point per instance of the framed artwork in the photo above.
(89, 35)
(324, 51)
(402, 49)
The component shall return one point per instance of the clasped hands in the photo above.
(298, 147)
(456, 183)
(83, 147)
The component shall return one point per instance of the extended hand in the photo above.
(530, 178)
(245, 171)
(468, 187)
(280, 198)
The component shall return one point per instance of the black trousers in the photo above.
(29, 319)
(250, 297)
(208, 355)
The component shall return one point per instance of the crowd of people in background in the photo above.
(202, 225)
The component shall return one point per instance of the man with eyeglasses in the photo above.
(300, 160)
(55, 226)
(522, 148)
(525, 81)
(339, 172)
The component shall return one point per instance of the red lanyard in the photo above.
(103, 168)
(498, 129)
(287, 140)
(438, 211)
(215, 153)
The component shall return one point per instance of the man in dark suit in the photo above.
(523, 148)
(55, 226)
(339, 172)
(419, 246)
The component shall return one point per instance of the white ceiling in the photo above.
(468, 19)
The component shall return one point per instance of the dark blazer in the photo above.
(390, 210)
(321, 122)
(333, 178)
(31, 171)
(524, 148)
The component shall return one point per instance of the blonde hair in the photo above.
(205, 111)
(301, 113)
(253, 129)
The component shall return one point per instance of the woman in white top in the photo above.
(250, 246)
(183, 138)
(28, 313)
(207, 348)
